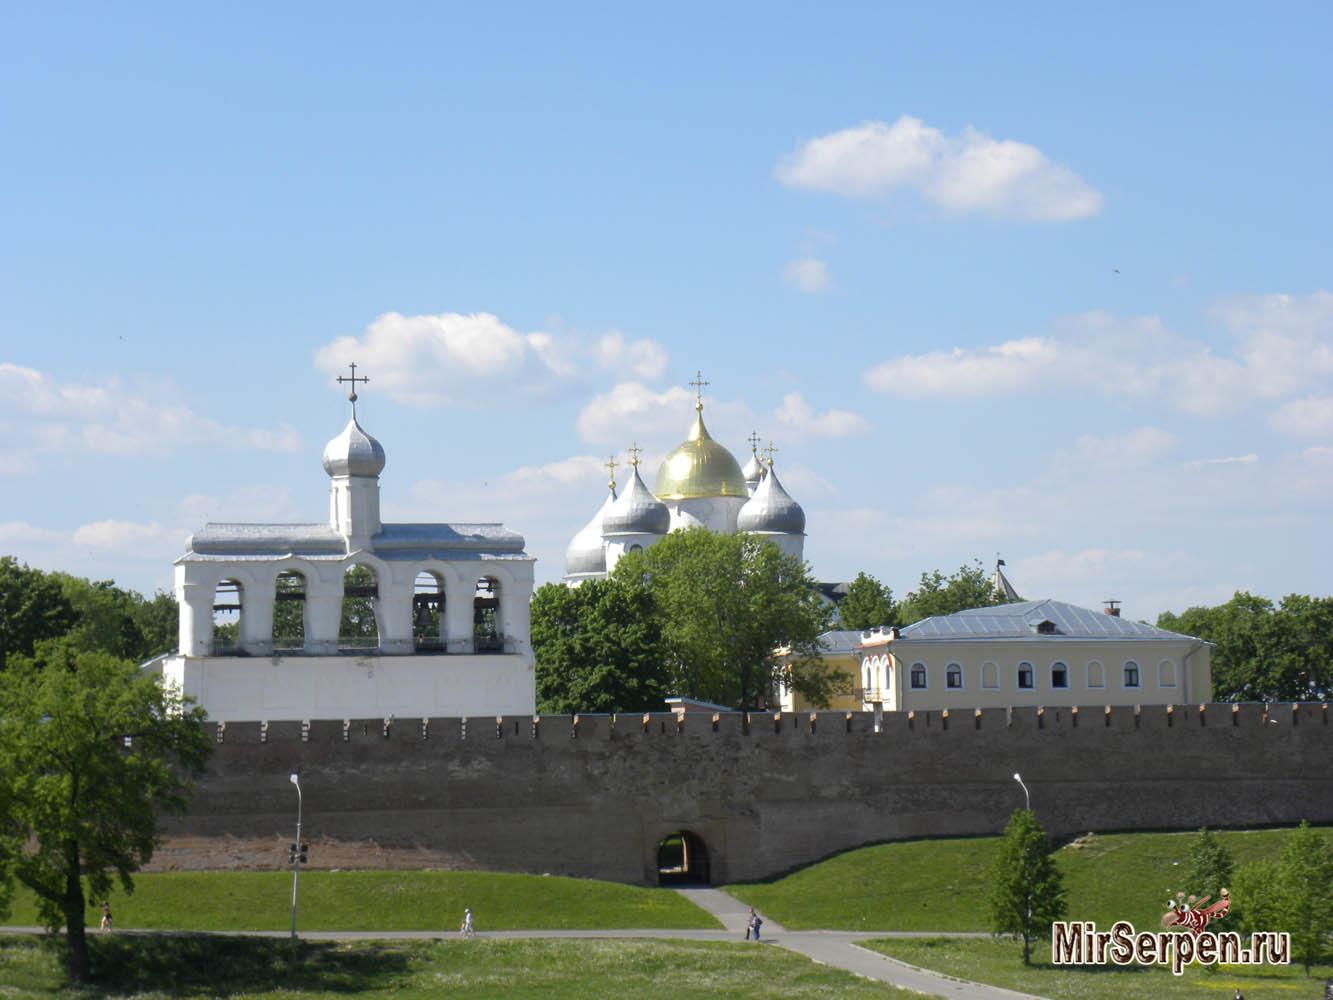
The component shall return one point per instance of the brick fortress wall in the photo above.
(596, 797)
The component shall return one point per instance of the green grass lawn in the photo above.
(384, 901)
(942, 885)
(1000, 964)
(204, 966)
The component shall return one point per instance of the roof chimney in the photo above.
(1111, 608)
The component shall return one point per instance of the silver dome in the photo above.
(771, 509)
(637, 511)
(753, 471)
(587, 552)
(353, 453)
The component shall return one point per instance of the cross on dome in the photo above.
(634, 452)
(754, 440)
(610, 466)
(769, 452)
(698, 382)
(353, 379)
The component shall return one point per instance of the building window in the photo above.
(1131, 674)
(358, 626)
(1166, 674)
(289, 612)
(953, 676)
(428, 613)
(990, 675)
(1096, 677)
(1025, 676)
(918, 676)
(227, 618)
(1059, 675)
(486, 633)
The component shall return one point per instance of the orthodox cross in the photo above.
(698, 382)
(769, 452)
(634, 452)
(353, 379)
(754, 440)
(610, 466)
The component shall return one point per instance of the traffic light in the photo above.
(291, 854)
(305, 851)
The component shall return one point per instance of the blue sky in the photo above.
(1029, 281)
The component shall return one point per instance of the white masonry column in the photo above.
(394, 614)
(323, 611)
(515, 616)
(257, 603)
(458, 614)
(196, 615)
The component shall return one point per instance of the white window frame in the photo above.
(1018, 676)
(1138, 675)
(925, 677)
(962, 678)
(1065, 685)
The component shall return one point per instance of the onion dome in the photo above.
(753, 471)
(771, 509)
(699, 467)
(353, 453)
(637, 511)
(587, 553)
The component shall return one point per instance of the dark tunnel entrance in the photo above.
(682, 859)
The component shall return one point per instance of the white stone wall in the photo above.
(293, 688)
(717, 514)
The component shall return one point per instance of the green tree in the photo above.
(938, 594)
(91, 751)
(32, 608)
(1209, 868)
(1305, 874)
(598, 648)
(357, 625)
(1262, 651)
(1256, 897)
(158, 618)
(866, 604)
(725, 602)
(1027, 892)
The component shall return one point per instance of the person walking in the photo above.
(466, 930)
(106, 915)
(753, 924)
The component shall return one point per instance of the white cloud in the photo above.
(1200, 463)
(23, 533)
(577, 468)
(809, 274)
(1136, 447)
(630, 409)
(641, 358)
(440, 360)
(799, 418)
(965, 174)
(118, 534)
(1309, 416)
(1282, 344)
(42, 416)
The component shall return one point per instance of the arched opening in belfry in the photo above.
(486, 634)
(289, 612)
(227, 600)
(358, 628)
(682, 859)
(428, 613)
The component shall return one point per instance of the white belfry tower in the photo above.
(354, 618)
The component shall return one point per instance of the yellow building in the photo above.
(841, 656)
(1030, 653)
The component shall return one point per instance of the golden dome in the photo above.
(699, 467)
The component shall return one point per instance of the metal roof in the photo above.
(1022, 621)
(223, 542)
(840, 640)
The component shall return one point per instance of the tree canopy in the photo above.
(866, 604)
(598, 648)
(33, 607)
(1027, 891)
(724, 603)
(90, 751)
(1264, 652)
(937, 594)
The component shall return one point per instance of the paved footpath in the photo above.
(839, 949)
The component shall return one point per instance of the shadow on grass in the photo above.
(208, 965)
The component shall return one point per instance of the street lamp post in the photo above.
(1027, 799)
(296, 854)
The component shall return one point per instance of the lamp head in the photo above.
(294, 780)
(1017, 777)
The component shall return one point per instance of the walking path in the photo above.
(840, 949)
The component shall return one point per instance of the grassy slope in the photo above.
(515, 970)
(942, 885)
(385, 900)
(999, 963)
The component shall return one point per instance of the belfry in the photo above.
(354, 618)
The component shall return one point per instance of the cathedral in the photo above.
(698, 484)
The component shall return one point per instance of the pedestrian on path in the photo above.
(106, 915)
(466, 929)
(753, 924)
